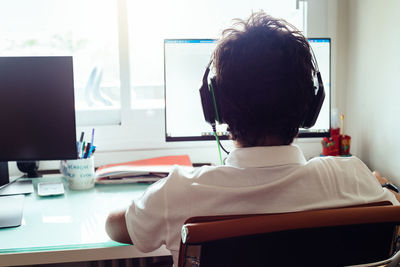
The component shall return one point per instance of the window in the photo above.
(181, 19)
(118, 55)
(87, 30)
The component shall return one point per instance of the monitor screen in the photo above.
(37, 109)
(185, 61)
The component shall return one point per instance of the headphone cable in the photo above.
(219, 144)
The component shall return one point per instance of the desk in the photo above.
(69, 227)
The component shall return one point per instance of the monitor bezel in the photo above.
(302, 132)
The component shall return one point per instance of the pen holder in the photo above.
(79, 173)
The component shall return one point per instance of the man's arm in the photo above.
(383, 180)
(116, 227)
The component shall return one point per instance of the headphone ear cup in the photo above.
(207, 103)
(215, 98)
(315, 106)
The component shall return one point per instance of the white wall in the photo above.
(365, 68)
(321, 22)
(372, 89)
(329, 18)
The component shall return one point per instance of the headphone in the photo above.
(208, 99)
(211, 108)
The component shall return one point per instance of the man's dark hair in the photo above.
(264, 80)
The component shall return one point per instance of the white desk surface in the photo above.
(70, 227)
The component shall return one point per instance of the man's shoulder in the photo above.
(337, 162)
(204, 175)
(335, 159)
(180, 173)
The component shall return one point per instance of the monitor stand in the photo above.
(15, 187)
(4, 173)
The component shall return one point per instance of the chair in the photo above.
(360, 236)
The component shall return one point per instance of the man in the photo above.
(264, 88)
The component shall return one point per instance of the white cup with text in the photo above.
(79, 173)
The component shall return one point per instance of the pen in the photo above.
(78, 148)
(80, 144)
(91, 141)
(83, 149)
(81, 139)
(91, 151)
(89, 145)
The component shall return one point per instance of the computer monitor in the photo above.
(185, 61)
(37, 110)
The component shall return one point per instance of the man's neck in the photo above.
(268, 141)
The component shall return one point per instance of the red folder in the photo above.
(160, 166)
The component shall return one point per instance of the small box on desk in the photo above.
(336, 145)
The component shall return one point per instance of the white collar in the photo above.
(265, 156)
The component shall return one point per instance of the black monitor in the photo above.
(185, 61)
(37, 110)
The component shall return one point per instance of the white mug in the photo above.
(79, 173)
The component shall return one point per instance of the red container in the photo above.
(345, 141)
(330, 146)
(335, 131)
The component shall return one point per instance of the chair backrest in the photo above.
(331, 237)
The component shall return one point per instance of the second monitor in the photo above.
(37, 110)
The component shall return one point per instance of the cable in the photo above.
(227, 152)
(219, 144)
(219, 149)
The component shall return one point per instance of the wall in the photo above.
(372, 89)
(321, 22)
(365, 64)
(329, 18)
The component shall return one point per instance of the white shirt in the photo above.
(254, 180)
